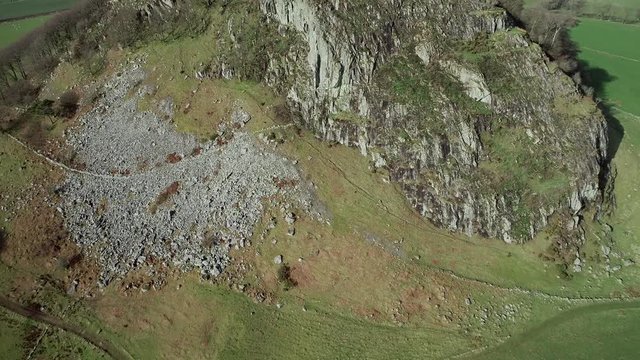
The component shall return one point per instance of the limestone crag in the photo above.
(481, 130)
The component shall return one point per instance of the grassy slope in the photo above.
(16, 170)
(11, 31)
(623, 9)
(626, 220)
(595, 3)
(10, 9)
(20, 337)
(11, 336)
(231, 326)
(17, 334)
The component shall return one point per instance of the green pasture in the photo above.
(612, 61)
(11, 31)
(12, 9)
(602, 331)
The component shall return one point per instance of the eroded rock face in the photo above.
(482, 132)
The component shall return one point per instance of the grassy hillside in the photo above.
(622, 10)
(11, 9)
(11, 31)
(21, 338)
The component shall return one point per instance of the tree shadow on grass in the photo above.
(3, 239)
(597, 79)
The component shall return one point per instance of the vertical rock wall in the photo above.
(442, 141)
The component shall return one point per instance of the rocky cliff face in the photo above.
(481, 131)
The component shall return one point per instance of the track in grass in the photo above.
(602, 331)
(38, 316)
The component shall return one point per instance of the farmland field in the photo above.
(603, 331)
(11, 9)
(11, 31)
(607, 46)
(626, 10)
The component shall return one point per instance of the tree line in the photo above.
(605, 10)
(548, 24)
(25, 63)
(82, 34)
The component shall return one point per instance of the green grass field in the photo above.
(602, 331)
(625, 10)
(612, 62)
(231, 326)
(11, 31)
(11, 9)
(21, 338)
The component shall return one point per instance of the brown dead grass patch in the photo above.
(174, 158)
(164, 196)
(38, 245)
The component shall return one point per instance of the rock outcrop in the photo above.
(483, 133)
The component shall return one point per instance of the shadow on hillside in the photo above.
(597, 79)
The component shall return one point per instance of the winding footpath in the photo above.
(110, 349)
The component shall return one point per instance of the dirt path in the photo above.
(61, 165)
(35, 315)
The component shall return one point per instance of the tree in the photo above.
(20, 92)
(3, 239)
(513, 7)
(285, 277)
(8, 117)
(548, 24)
(574, 6)
(67, 104)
